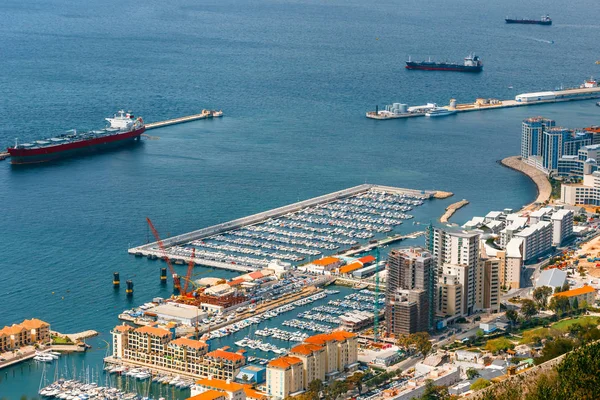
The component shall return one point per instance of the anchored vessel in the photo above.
(544, 20)
(472, 63)
(123, 128)
(439, 112)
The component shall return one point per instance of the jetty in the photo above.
(588, 90)
(451, 209)
(175, 121)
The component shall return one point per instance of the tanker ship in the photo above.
(545, 20)
(472, 63)
(122, 128)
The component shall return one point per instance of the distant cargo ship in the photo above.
(472, 63)
(123, 128)
(545, 20)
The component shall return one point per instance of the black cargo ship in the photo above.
(472, 63)
(545, 20)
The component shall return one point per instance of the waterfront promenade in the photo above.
(544, 188)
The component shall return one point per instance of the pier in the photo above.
(175, 121)
(313, 228)
(588, 92)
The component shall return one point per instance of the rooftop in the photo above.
(176, 310)
(227, 355)
(153, 331)
(576, 292)
(305, 349)
(208, 395)
(220, 384)
(284, 362)
(326, 261)
(350, 267)
(194, 344)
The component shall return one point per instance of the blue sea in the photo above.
(294, 79)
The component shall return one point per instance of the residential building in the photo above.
(456, 253)
(449, 296)
(562, 226)
(323, 357)
(532, 131)
(411, 269)
(29, 332)
(222, 364)
(488, 282)
(511, 263)
(584, 193)
(209, 395)
(231, 390)
(285, 377)
(537, 240)
(583, 294)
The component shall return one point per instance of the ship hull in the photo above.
(51, 153)
(430, 67)
(527, 22)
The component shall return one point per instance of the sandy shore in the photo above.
(538, 177)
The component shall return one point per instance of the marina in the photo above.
(588, 90)
(297, 233)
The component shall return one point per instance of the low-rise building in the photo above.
(222, 364)
(231, 390)
(585, 193)
(323, 266)
(180, 313)
(553, 278)
(29, 332)
(583, 294)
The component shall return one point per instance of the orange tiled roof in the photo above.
(256, 275)
(236, 282)
(220, 384)
(284, 362)
(34, 323)
(254, 394)
(194, 344)
(151, 330)
(326, 261)
(12, 330)
(576, 292)
(123, 328)
(323, 338)
(208, 395)
(350, 267)
(226, 355)
(305, 349)
(366, 259)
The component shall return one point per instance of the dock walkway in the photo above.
(181, 120)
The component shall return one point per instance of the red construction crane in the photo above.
(188, 276)
(176, 280)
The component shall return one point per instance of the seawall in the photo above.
(544, 188)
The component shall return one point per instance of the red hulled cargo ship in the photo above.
(123, 128)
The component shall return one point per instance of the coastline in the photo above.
(543, 186)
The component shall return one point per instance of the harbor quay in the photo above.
(587, 91)
(297, 233)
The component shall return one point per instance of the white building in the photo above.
(510, 267)
(537, 240)
(562, 226)
(514, 223)
(587, 192)
(543, 214)
(181, 313)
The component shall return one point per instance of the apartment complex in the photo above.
(156, 347)
(552, 149)
(537, 240)
(586, 192)
(323, 357)
(28, 332)
(212, 388)
(410, 291)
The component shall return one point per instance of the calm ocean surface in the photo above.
(294, 79)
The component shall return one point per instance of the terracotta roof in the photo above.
(350, 267)
(284, 362)
(576, 292)
(254, 394)
(326, 261)
(322, 338)
(236, 282)
(34, 323)
(194, 344)
(208, 395)
(226, 355)
(256, 275)
(12, 330)
(123, 328)
(150, 330)
(366, 259)
(220, 384)
(305, 349)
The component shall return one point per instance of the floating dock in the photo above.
(175, 121)
(588, 90)
(297, 233)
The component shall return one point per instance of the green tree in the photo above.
(480, 333)
(559, 304)
(565, 287)
(540, 295)
(575, 305)
(472, 373)
(528, 308)
(512, 316)
(315, 386)
(336, 389)
(480, 384)
(555, 348)
(356, 380)
(433, 392)
(578, 374)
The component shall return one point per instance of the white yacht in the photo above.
(439, 112)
